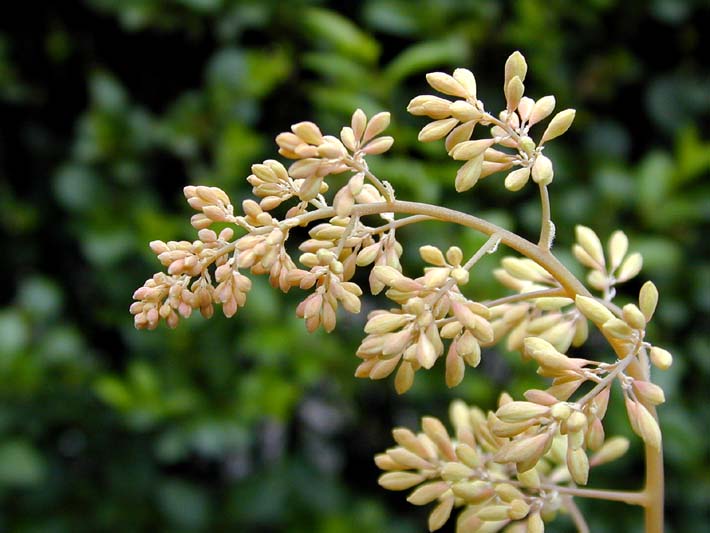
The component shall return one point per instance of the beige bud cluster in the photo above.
(457, 119)
(270, 181)
(212, 202)
(326, 274)
(606, 269)
(321, 155)
(552, 318)
(493, 479)
(432, 310)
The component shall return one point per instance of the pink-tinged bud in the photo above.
(649, 392)
(379, 145)
(404, 379)
(308, 131)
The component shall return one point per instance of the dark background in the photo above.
(109, 108)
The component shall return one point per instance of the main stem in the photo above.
(653, 492)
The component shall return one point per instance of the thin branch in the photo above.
(576, 514)
(630, 497)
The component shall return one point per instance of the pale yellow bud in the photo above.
(525, 107)
(446, 84)
(386, 322)
(464, 111)
(518, 509)
(308, 131)
(617, 248)
(576, 422)
(559, 124)
(377, 125)
(617, 328)
(611, 450)
(515, 65)
(591, 244)
(648, 427)
(529, 478)
(661, 358)
(426, 355)
(648, 299)
(440, 514)
(517, 179)
(593, 310)
(460, 276)
(399, 480)
(470, 149)
(560, 411)
(454, 255)
(468, 455)
(491, 513)
(379, 145)
(542, 109)
(542, 171)
(428, 492)
(634, 317)
(649, 392)
(432, 255)
(404, 378)
(459, 134)
(535, 523)
(630, 267)
(519, 411)
(467, 80)
(348, 138)
(514, 91)
(578, 465)
(429, 105)
(454, 471)
(358, 123)
(508, 492)
(437, 130)
(474, 491)
(467, 176)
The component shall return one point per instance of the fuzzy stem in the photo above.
(546, 222)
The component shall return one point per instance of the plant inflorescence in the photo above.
(517, 466)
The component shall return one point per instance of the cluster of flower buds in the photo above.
(165, 296)
(320, 155)
(270, 182)
(212, 202)
(606, 270)
(432, 309)
(326, 273)
(552, 318)
(475, 470)
(456, 121)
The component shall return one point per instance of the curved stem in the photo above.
(652, 495)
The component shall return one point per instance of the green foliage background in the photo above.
(109, 108)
